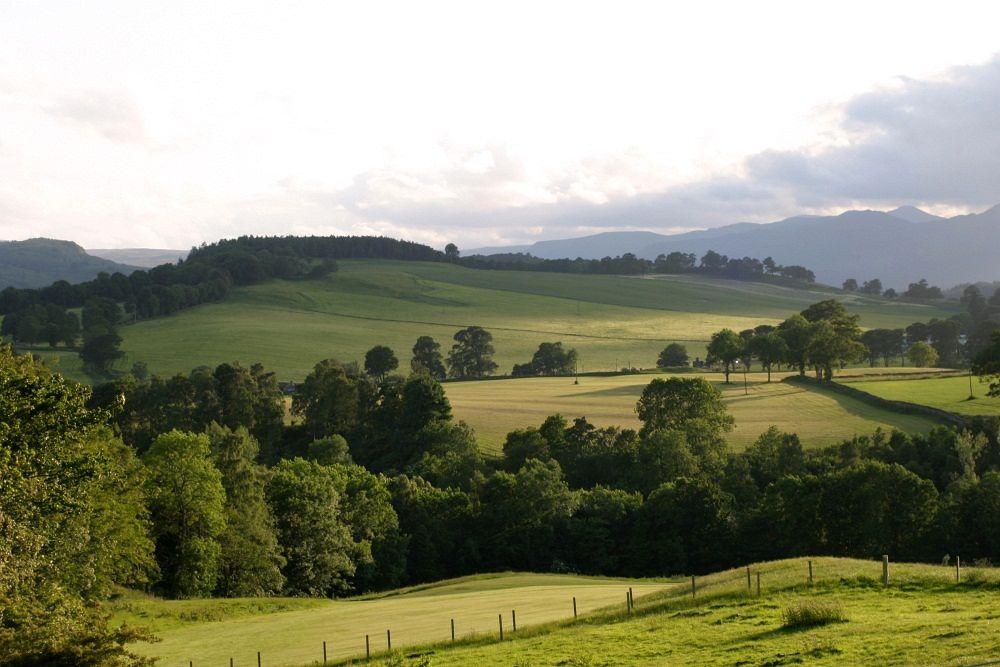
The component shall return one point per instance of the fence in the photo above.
(755, 587)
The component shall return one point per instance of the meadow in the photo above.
(820, 417)
(290, 631)
(946, 393)
(612, 321)
(923, 617)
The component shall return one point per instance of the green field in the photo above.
(290, 631)
(290, 325)
(922, 618)
(496, 407)
(946, 393)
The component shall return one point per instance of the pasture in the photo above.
(820, 417)
(290, 631)
(946, 393)
(612, 321)
(923, 617)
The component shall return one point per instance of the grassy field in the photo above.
(289, 326)
(495, 407)
(946, 393)
(922, 618)
(290, 631)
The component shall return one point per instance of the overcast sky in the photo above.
(141, 124)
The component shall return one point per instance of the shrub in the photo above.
(811, 613)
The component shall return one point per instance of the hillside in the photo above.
(820, 417)
(290, 631)
(290, 325)
(41, 262)
(922, 617)
(141, 257)
(854, 244)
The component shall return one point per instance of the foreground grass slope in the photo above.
(289, 326)
(922, 618)
(290, 631)
(820, 417)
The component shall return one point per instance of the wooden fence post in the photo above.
(388, 639)
(258, 658)
(692, 586)
(452, 629)
(628, 602)
(324, 654)
(513, 620)
(574, 607)
(749, 588)
(958, 569)
(758, 583)
(500, 618)
(368, 649)
(230, 662)
(885, 570)
(810, 573)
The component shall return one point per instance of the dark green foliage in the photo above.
(315, 539)
(72, 521)
(330, 451)
(186, 500)
(920, 290)
(250, 559)
(987, 364)
(599, 535)
(472, 354)
(427, 358)
(675, 402)
(42, 323)
(549, 359)
(327, 401)
(725, 348)
(380, 361)
(672, 356)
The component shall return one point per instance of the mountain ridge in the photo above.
(39, 262)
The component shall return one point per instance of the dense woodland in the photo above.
(195, 485)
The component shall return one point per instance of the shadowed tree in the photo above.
(380, 361)
(427, 358)
(725, 348)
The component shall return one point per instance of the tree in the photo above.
(549, 359)
(327, 400)
(921, 290)
(832, 345)
(329, 451)
(186, 500)
(451, 252)
(427, 358)
(850, 285)
(101, 350)
(380, 361)
(725, 348)
(922, 355)
(472, 354)
(987, 365)
(797, 333)
(770, 349)
(672, 356)
(675, 403)
(251, 559)
(890, 293)
(873, 287)
(314, 537)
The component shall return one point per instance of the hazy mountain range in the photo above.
(41, 262)
(145, 258)
(898, 246)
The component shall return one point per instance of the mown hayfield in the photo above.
(946, 393)
(290, 325)
(290, 631)
(496, 407)
(923, 617)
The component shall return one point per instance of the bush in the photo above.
(812, 613)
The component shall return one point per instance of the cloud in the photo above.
(112, 115)
(932, 142)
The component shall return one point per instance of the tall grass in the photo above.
(812, 613)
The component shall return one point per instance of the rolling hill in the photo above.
(923, 616)
(854, 244)
(290, 325)
(41, 262)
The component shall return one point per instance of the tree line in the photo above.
(195, 486)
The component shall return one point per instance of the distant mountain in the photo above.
(898, 247)
(41, 262)
(914, 214)
(142, 257)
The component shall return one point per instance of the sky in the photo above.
(169, 124)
